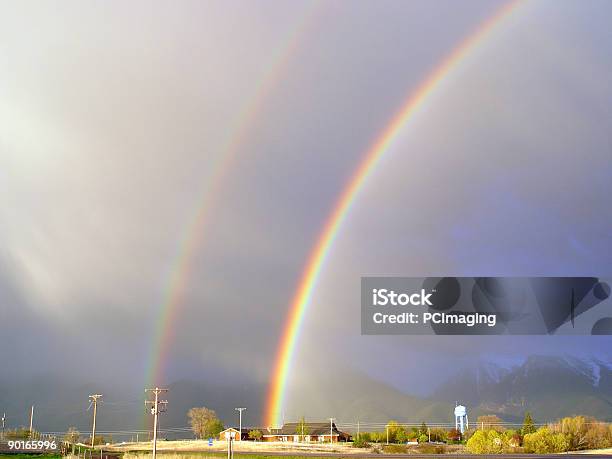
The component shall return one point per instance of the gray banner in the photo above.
(485, 306)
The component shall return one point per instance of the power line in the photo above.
(240, 410)
(94, 399)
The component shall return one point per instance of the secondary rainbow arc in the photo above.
(194, 234)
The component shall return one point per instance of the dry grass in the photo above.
(201, 446)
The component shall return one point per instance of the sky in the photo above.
(114, 119)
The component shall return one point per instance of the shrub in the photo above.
(488, 442)
(360, 443)
(454, 436)
(395, 449)
(255, 434)
(545, 441)
(431, 449)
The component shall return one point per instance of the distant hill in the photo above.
(548, 387)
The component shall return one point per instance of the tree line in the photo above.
(567, 434)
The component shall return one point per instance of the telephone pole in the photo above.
(157, 406)
(3, 421)
(94, 401)
(331, 430)
(240, 422)
(31, 420)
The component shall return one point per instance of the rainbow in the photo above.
(316, 260)
(192, 239)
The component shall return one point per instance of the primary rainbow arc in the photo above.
(317, 257)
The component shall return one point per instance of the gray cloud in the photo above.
(114, 117)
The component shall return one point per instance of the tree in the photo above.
(439, 435)
(490, 421)
(575, 429)
(255, 434)
(393, 429)
(302, 428)
(401, 436)
(528, 424)
(72, 435)
(204, 422)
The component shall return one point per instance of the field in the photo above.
(29, 456)
(248, 447)
(252, 450)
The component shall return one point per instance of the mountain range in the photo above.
(548, 386)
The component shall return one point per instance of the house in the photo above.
(306, 432)
(232, 433)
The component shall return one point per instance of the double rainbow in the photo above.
(316, 260)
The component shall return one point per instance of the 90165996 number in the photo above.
(29, 445)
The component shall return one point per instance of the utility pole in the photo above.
(31, 420)
(93, 399)
(158, 406)
(331, 430)
(358, 433)
(240, 422)
(3, 421)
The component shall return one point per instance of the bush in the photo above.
(360, 443)
(255, 434)
(454, 436)
(432, 449)
(545, 441)
(395, 449)
(488, 442)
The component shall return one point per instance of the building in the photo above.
(312, 432)
(232, 433)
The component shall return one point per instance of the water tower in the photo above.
(461, 418)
